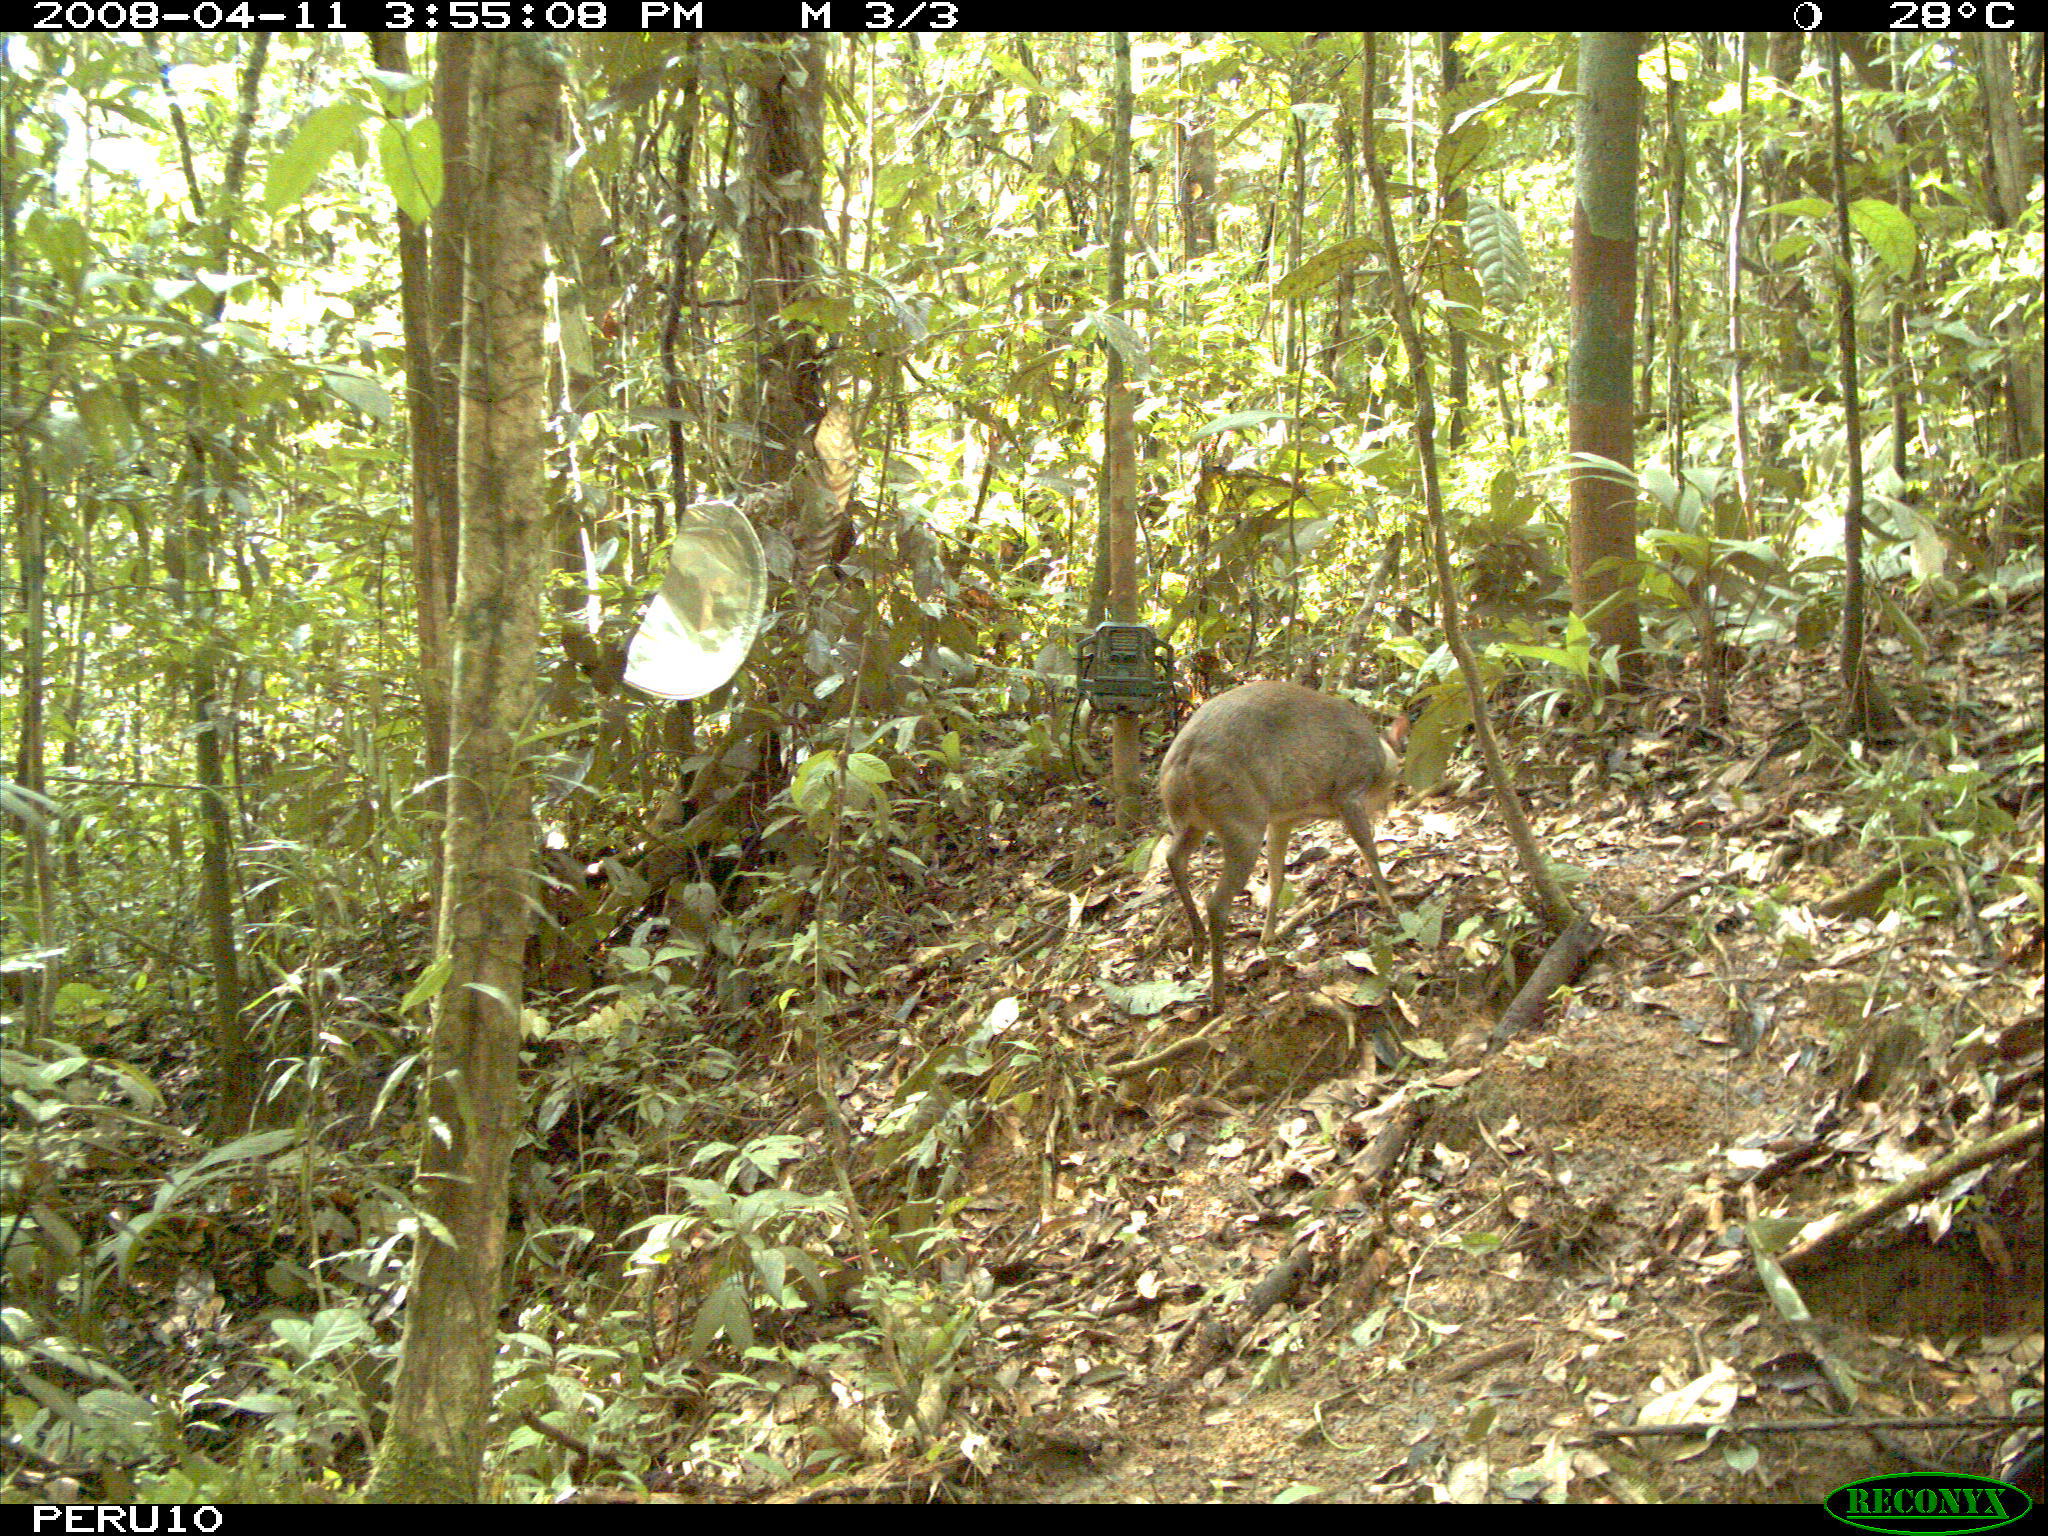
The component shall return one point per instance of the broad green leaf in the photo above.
(1423, 926)
(1433, 737)
(1890, 232)
(828, 312)
(221, 284)
(1236, 420)
(292, 174)
(1810, 207)
(220, 1163)
(106, 418)
(807, 1267)
(1575, 661)
(1319, 268)
(724, 1311)
(773, 1271)
(265, 1403)
(401, 92)
(1059, 150)
(429, 986)
(326, 1331)
(869, 768)
(410, 156)
(811, 783)
(1017, 74)
(63, 240)
(1119, 334)
(897, 184)
(359, 390)
(1460, 149)
(55, 1399)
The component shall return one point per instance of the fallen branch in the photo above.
(1835, 1232)
(1861, 899)
(1116, 1071)
(1281, 1281)
(1561, 964)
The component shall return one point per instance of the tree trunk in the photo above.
(783, 396)
(1603, 518)
(440, 1412)
(2010, 174)
(237, 1071)
(431, 415)
(1119, 436)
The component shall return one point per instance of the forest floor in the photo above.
(1564, 1252)
(1325, 1246)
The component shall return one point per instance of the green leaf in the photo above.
(724, 1311)
(1574, 661)
(359, 390)
(811, 785)
(496, 994)
(1903, 625)
(1236, 420)
(106, 418)
(221, 284)
(774, 1274)
(1460, 149)
(265, 1403)
(1119, 334)
(401, 92)
(1014, 72)
(1809, 207)
(807, 1267)
(1432, 738)
(429, 986)
(292, 174)
(1059, 149)
(63, 241)
(328, 1330)
(55, 1399)
(1319, 268)
(410, 157)
(1424, 925)
(1890, 232)
(220, 1163)
(826, 312)
(868, 768)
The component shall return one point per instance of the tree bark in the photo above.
(1603, 518)
(440, 1413)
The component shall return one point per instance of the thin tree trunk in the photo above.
(433, 483)
(1603, 522)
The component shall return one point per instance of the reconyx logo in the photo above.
(1927, 1502)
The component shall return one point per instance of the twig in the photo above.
(1805, 1426)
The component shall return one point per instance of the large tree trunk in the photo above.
(440, 1412)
